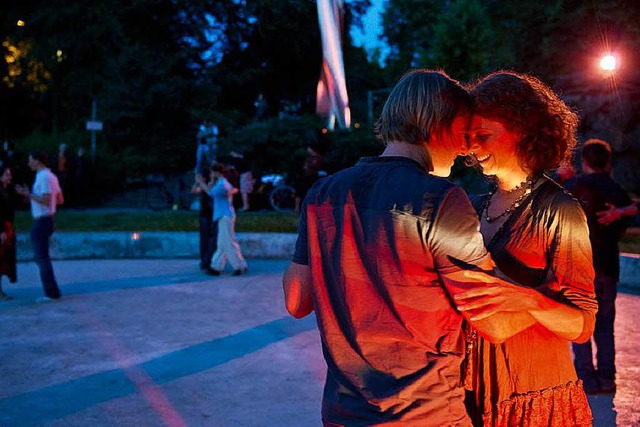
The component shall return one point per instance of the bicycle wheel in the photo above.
(283, 198)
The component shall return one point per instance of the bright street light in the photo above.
(608, 63)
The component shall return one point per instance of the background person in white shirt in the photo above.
(44, 197)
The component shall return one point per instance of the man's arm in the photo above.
(296, 284)
(43, 199)
(499, 325)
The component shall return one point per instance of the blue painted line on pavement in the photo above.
(27, 296)
(60, 400)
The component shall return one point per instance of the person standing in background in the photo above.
(83, 179)
(260, 106)
(63, 167)
(44, 198)
(594, 189)
(246, 181)
(311, 170)
(7, 232)
(207, 150)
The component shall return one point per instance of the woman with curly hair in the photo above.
(538, 237)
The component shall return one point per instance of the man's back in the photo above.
(376, 236)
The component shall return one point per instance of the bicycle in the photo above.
(282, 197)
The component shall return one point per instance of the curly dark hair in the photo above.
(524, 104)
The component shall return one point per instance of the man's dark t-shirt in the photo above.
(377, 237)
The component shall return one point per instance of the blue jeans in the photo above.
(606, 291)
(41, 232)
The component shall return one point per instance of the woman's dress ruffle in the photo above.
(561, 406)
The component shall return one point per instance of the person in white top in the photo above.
(45, 196)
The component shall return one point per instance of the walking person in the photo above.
(380, 254)
(221, 191)
(44, 198)
(594, 189)
(7, 232)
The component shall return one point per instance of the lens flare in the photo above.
(608, 63)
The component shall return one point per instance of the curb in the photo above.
(154, 245)
(139, 245)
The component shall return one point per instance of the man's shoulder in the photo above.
(49, 176)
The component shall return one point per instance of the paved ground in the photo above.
(154, 342)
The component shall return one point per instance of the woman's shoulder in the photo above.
(551, 195)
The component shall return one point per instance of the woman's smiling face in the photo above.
(446, 144)
(493, 146)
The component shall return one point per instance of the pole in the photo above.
(94, 108)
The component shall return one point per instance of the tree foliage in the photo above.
(157, 68)
(461, 38)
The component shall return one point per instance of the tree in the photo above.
(462, 42)
(409, 31)
(141, 60)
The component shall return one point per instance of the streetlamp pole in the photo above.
(94, 112)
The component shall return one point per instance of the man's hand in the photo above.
(297, 284)
(498, 295)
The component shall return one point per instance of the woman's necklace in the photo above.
(526, 185)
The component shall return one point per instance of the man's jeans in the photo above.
(208, 240)
(606, 291)
(41, 232)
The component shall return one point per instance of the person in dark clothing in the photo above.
(311, 172)
(83, 179)
(63, 166)
(208, 227)
(594, 189)
(8, 200)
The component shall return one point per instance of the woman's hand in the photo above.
(22, 190)
(611, 214)
(498, 295)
